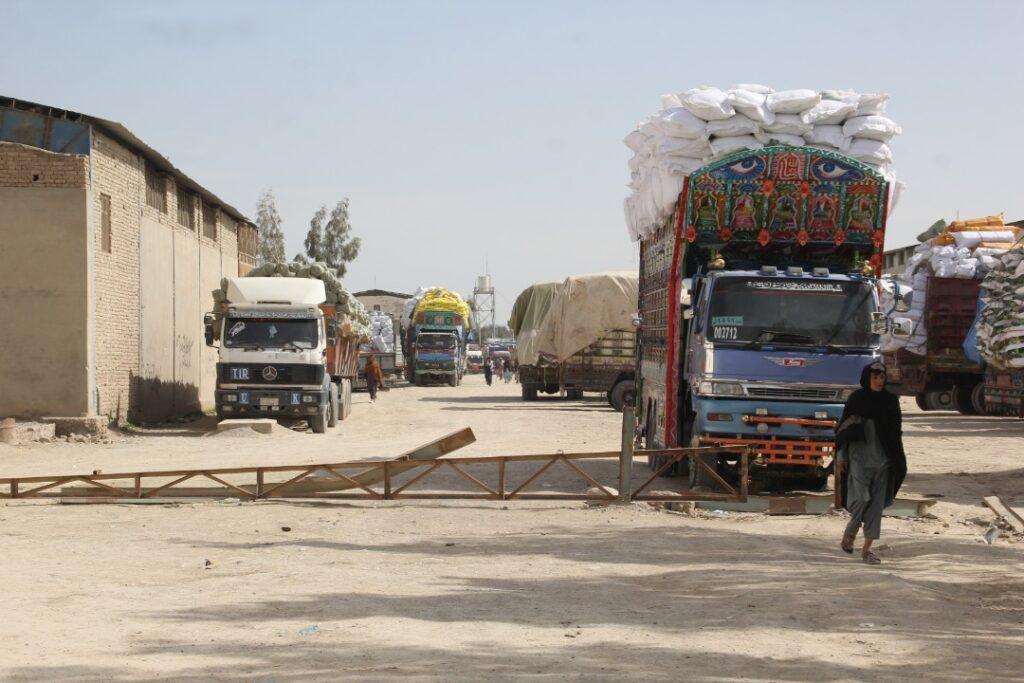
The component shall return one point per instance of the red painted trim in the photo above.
(671, 351)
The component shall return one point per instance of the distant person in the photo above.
(488, 371)
(870, 460)
(507, 363)
(374, 377)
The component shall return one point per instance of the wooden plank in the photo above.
(999, 506)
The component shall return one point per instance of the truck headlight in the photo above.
(715, 388)
(230, 398)
(843, 395)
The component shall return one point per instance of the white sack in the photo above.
(871, 104)
(684, 147)
(849, 96)
(828, 111)
(751, 104)
(792, 101)
(734, 125)
(710, 104)
(728, 145)
(870, 151)
(972, 238)
(787, 123)
(753, 87)
(780, 138)
(872, 128)
(635, 140)
(827, 134)
(670, 101)
(680, 123)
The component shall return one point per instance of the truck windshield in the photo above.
(270, 333)
(801, 312)
(435, 341)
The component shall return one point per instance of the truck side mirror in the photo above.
(208, 331)
(902, 328)
(879, 324)
(332, 331)
(901, 301)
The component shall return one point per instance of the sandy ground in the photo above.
(493, 590)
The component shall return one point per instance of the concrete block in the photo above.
(67, 426)
(25, 432)
(260, 425)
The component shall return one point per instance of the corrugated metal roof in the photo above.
(120, 133)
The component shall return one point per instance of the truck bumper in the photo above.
(283, 402)
(781, 432)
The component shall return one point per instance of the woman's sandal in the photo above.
(847, 543)
(870, 558)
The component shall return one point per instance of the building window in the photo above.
(105, 224)
(209, 221)
(186, 208)
(156, 189)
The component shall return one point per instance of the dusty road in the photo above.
(473, 591)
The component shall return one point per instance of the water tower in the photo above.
(483, 305)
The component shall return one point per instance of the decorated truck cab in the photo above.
(759, 308)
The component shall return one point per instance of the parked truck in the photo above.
(759, 309)
(437, 347)
(283, 352)
(577, 336)
(385, 345)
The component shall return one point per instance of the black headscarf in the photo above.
(884, 408)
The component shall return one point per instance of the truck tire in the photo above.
(921, 402)
(939, 399)
(622, 395)
(335, 402)
(345, 399)
(318, 422)
(698, 475)
(962, 399)
(418, 381)
(529, 392)
(453, 380)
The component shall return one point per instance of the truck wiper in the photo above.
(781, 336)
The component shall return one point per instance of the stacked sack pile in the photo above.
(968, 249)
(352, 316)
(382, 333)
(706, 123)
(1000, 328)
(410, 304)
(441, 299)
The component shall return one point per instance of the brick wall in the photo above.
(25, 166)
(117, 173)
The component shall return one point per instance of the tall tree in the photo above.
(315, 237)
(268, 225)
(339, 246)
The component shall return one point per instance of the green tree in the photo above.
(268, 225)
(315, 237)
(339, 246)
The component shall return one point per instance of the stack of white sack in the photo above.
(382, 332)
(704, 124)
(410, 304)
(1001, 325)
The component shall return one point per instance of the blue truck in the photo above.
(437, 347)
(758, 309)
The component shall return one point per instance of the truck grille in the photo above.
(285, 374)
(791, 392)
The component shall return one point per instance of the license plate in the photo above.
(269, 402)
(239, 373)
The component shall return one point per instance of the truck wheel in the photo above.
(698, 475)
(978, 399)
(962, 399)
(318, 422)
(939, 399)
(921, 401)
(419, 380)
(453, 380)
(529, 392)
(332, 420)
(622, 395)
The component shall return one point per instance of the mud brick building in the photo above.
(108, 254)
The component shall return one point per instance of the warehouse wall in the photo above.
(44, 364)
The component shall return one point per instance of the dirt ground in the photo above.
(494, 590)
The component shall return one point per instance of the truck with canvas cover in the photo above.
(577, 336)
(437, 337)
(283, 351)
(759, 309)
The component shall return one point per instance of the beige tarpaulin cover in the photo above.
(583, 309)
(527, 315)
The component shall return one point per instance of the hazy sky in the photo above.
(473, 132)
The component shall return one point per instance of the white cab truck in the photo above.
(282, 352)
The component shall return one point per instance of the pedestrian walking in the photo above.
(374, 377)
(871, 462)
(488, 371)
(507, 370)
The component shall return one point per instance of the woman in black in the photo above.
(870, 458)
